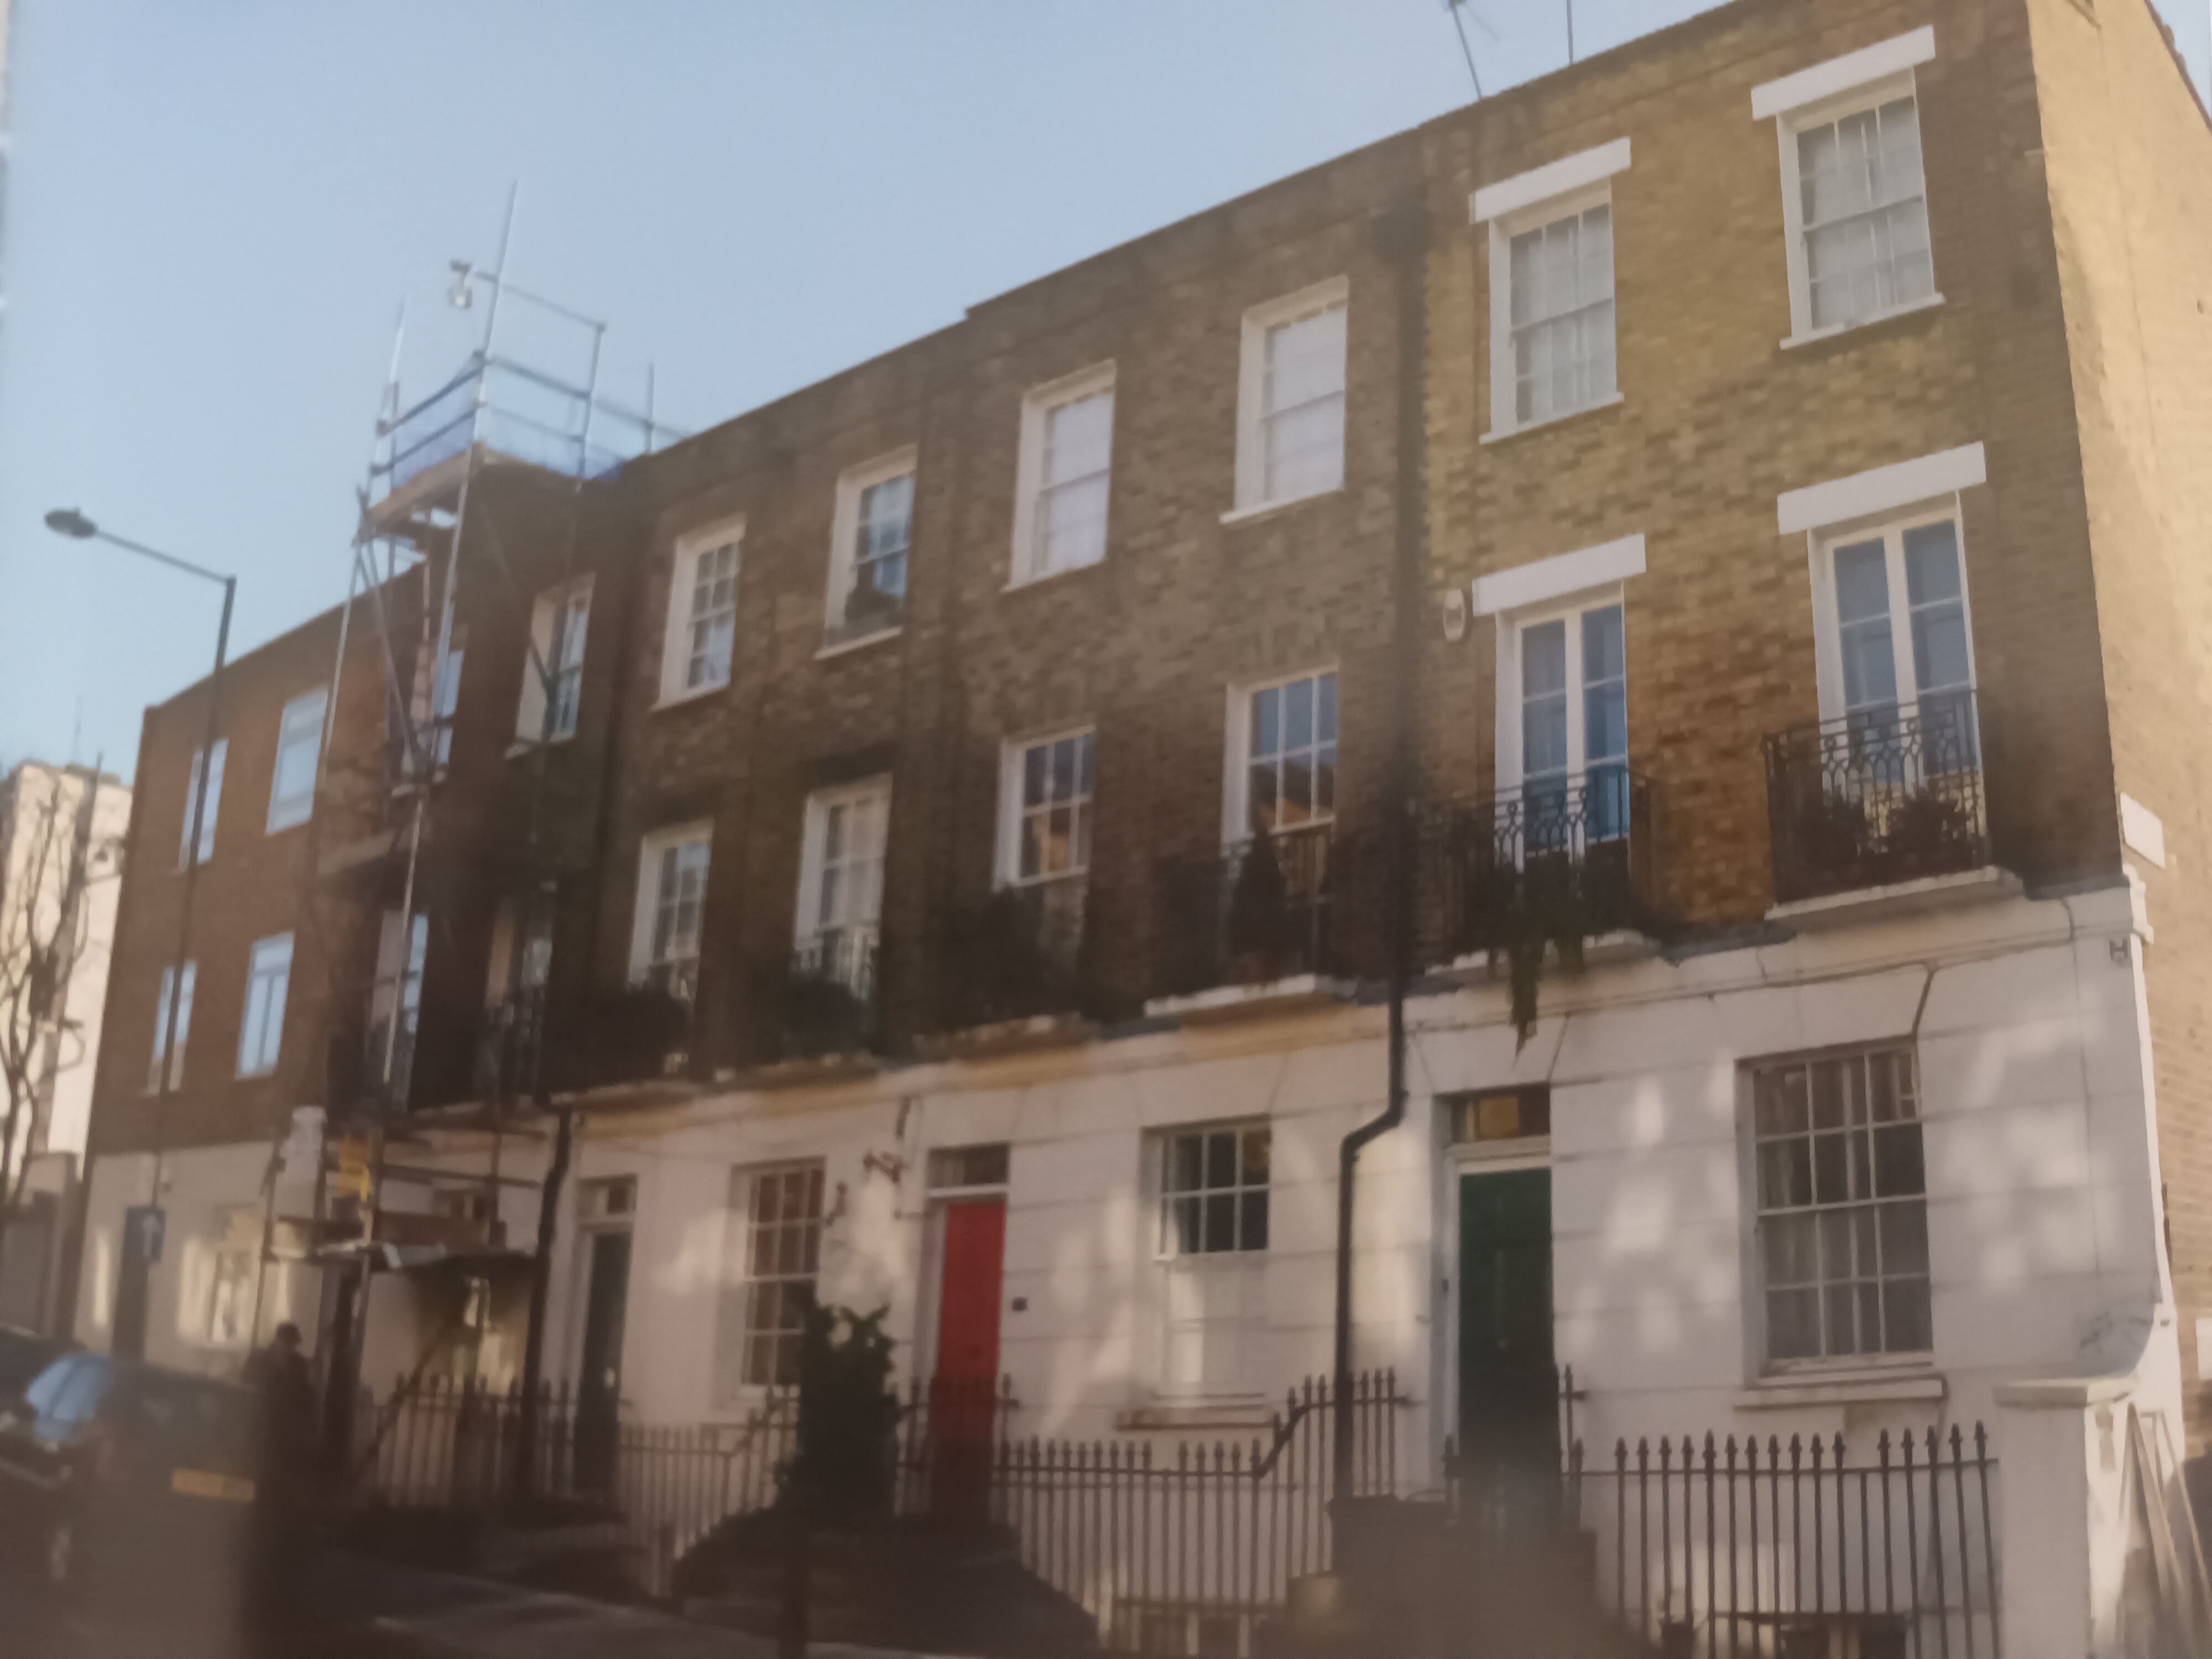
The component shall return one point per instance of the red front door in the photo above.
(963, 1407)
(968, 1319)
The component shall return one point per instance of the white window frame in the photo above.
(299, 727)
(1512, 768)
(1814, 97)
(1236, 756)
(809, 924)
(261, 1023)
(1251, 480)
(213, 777)
(731, 1384)
(1012, 810)
(1564, 189)
(1038, 409)
(1760, 1213)
(852, 485)
(646, 916)
(676, 653)
(548, 632)
(1244, 1270)
(162, 1047)
(1828, 631)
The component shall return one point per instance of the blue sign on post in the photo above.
(143, 1227)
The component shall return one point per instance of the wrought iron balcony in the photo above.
(1017, 955)
(509, 1046)
(829, 993)
(388, 1061)
(1884, 796)
(1261, 910)
(1545, 861)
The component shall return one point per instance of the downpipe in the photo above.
(1402, 235)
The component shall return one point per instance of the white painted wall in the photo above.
(2044, 1205)
(199, 1185)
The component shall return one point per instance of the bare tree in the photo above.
(45, 853)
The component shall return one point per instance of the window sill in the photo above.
(1227, 1002)
(1011, 1036)
(1821, 336)
(1261, 509)
(1039, 578)
(1497, 436)
(1867, 1386)
(1234, 1413)
(696, 694)
(524, 745)
(1902, 898)
(838, 648)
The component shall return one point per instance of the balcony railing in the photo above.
(389, 1089)
(1876, 797)
(509, 1045)
(829, 994)
(1019, 955)
(1574, 855)
(525, 414)
(1261, 910)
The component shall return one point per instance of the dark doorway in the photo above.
(963, 1404)
(599, 1390)
(129, 1341)
(1509, 1422)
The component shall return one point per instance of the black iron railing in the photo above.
(1875, 798)
(829, 994)
(1575, 854)
(509, 1046)
(1017, 955)
(1263, 909)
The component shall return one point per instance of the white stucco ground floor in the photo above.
(1895, 1173)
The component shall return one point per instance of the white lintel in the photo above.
(1555, 578)
(1553, 179)
(1880, 489)
(1854, 69)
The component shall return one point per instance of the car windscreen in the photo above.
(184, 1422)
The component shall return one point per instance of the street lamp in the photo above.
(69, 522)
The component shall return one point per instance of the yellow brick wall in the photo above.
(2128, 160)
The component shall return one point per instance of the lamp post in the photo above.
(69, 522)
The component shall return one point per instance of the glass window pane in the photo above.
(1220, 1160)
(1298, 714)
(1252, 1227)
(1830, 1183)
(1898, 1167)
(1544, 659)
(1907, 1326)
(1266, 722)
(1793, 1330)
(1220, 1223)
(1785, 1175)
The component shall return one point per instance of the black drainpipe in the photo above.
(1401, 234)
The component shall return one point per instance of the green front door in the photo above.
(1508, 1391)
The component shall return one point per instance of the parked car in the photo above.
(131, 1482)
(23, 1355)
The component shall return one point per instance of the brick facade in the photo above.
(2057, 346)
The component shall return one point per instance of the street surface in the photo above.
(356, 1608)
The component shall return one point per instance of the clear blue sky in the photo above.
(215, 210)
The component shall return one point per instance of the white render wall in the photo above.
(199, 1185)
(2043, 1212)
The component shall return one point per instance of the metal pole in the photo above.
(1403, 233)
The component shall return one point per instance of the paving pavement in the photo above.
(358, 1609)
